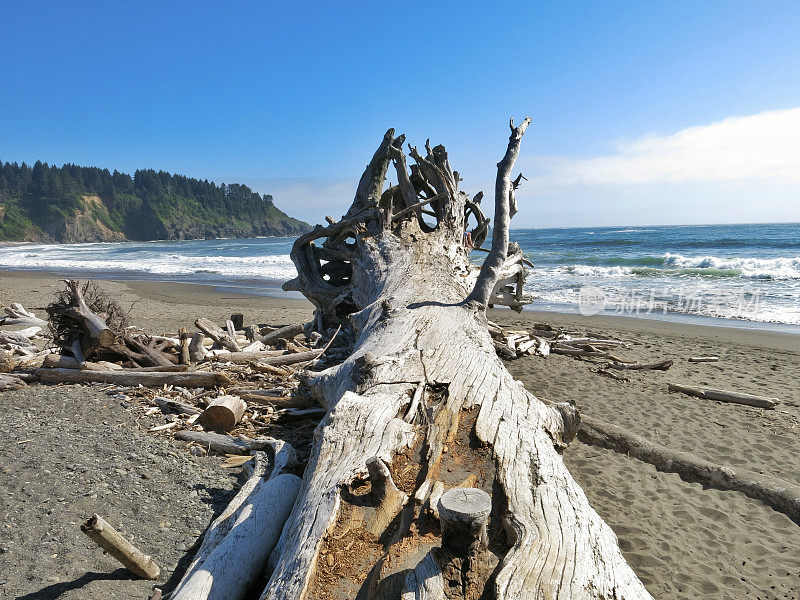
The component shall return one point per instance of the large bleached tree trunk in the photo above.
(395, 274)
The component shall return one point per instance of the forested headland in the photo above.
(47, 203)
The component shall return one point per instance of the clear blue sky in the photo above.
(644, 112)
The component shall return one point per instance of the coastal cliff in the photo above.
(73, 204)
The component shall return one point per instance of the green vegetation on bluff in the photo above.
(89, 204)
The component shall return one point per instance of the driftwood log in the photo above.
(133, 378)
(237, 544)
(94, 326)
(726, 396)
(9, 382)
(212, 330)
(780, 495)
(284, 333)
(16, 314)
(413, 306)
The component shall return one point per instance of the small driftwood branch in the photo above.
(726, 396)
(284, 333)
(291, 359)
(110, 540)
(59, 361)
(242, 358)
(702, 359)
(780, 495)
(169, 405)
(216, 333)
(225, 444)
(409, 209)
(661, 365)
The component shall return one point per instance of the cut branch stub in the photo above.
(387, 498)
(464, 514)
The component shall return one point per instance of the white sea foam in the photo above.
(595, 271)
(751, 268)
(216, 267)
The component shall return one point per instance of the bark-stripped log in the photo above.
(17, 315)
(284, 333)
(216, 333)
(238, 542)
(225, 444)
(8, 382)
(197, 349)
(133, 378)
(412, 305)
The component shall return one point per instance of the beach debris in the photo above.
(84, 312)
(702, 359)
(170, 405)
(225, 444)
(726, 395)
(9, 382)
(661, 365)
(212, 330)
(610, 374)
(780, 495)
(110, 540)
(185, 354)
(197, 348)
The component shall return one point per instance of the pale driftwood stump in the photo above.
(464, 515)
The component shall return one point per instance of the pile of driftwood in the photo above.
(546, 339)
(93, 343)
(222, 379)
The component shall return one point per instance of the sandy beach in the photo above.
(684, 542)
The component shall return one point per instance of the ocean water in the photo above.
(740, 272)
